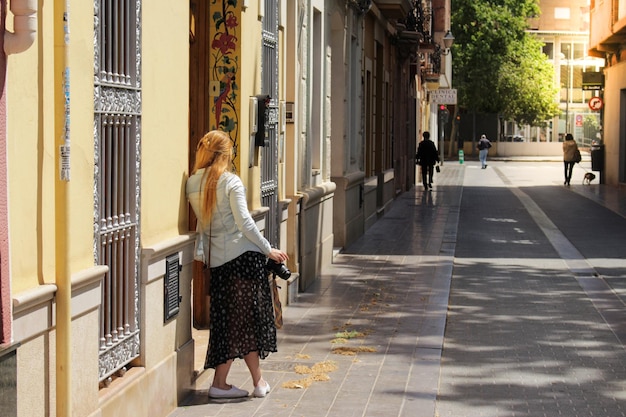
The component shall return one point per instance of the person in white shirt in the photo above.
(241, 311)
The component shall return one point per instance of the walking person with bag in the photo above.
(483, 150)
(571, 156)
(241, 312)
(426, 157)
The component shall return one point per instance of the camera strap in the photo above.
(278, 309)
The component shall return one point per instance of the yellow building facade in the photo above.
(99, 143)
(103, 104)
(85, 121)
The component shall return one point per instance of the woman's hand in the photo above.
(278, 255)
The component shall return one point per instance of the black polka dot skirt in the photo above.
(242, 315)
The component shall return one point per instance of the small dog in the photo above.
(589, 176)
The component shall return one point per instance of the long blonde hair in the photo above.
(214, 152)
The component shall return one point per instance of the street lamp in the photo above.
(448, 41)
(567, 84)
(567, 90)
(435, 56)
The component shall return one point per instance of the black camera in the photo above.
(278, 269)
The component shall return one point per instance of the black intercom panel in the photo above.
(263, 104)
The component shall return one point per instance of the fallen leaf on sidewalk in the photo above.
(323, 367)
(317, 373)
(302, 369)
(349, 334)
(299, 384)
(351, 351)
(344, 336)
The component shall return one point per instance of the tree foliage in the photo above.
(497, 66)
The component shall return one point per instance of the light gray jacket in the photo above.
(232, 230)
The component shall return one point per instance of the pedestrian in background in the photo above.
(483, 149)
(426, 157)
(241, 311)
(570, 153)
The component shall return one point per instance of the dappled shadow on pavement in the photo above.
(522, 338)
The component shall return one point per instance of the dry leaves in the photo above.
(351, 351)
(316, 373)
(319, 372)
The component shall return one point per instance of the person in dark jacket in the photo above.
(483, 150)
(426, 157)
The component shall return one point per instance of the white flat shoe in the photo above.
(261, 391)
(233, 392)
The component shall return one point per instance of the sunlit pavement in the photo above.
(525, 276)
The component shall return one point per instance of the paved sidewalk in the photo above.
(377, 315)
(524, 336)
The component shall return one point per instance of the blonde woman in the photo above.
(241, 312)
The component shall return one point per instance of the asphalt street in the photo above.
(536, 312)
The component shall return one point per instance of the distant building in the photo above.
(564, 28)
